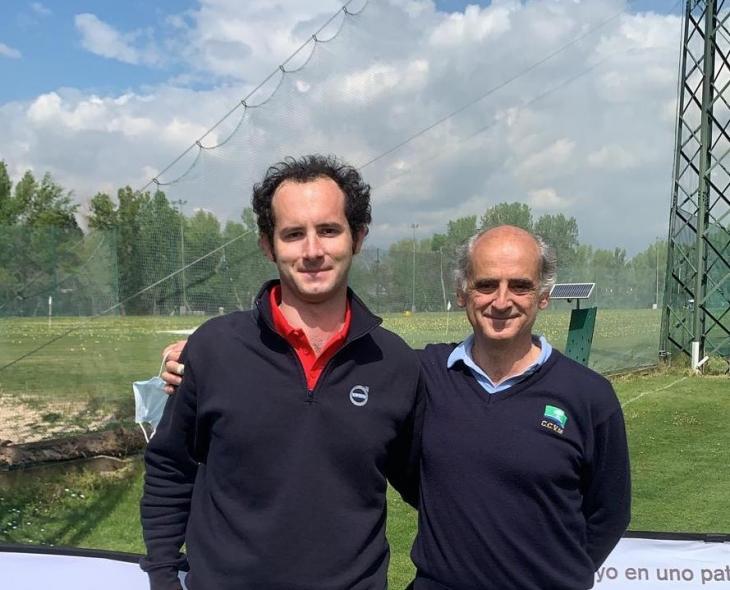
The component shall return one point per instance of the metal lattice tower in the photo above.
(696, 313)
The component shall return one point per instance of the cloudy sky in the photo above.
(448, 107)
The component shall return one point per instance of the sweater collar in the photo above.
(463, 353)
(362, 319)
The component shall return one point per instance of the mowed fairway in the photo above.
(677, 427)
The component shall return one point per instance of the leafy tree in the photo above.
(23, 194)
(561, 233)
(102, 213)
(458, 231)
(249, 220)
(204, 284)
(581, 270)
(50, 206)
(646, 275)
(518, 214)
(40, 245)
(398, 276)
(610, 274)
(7, 203)
(159, 251)
(136, 239)
(129, 250)
(242, 265)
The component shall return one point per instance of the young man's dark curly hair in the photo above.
(306, 169)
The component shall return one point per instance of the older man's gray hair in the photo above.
(548, 262)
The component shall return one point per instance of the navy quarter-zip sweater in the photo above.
(526, 489)
(272, 486)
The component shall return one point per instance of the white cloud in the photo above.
(593, 147)
(92, 143)
(7, 51)
(97, 114)
(474, 25)
(247, 40)
(381, 80)
(547, 199)
(102, 39)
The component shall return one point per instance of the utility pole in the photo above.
(656, 252)
(181, 203)
(377, 280)
(413, 291)
(441, 275)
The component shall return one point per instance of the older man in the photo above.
(524, 479)
(524, 467)
(270, 464)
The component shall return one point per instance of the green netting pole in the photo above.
(580, 334)
(669, 304)
(698, 323)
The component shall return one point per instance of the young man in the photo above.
(524, 471)
(270, 463)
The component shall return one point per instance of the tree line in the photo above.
(138, 256)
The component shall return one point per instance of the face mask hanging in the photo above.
(149, 402)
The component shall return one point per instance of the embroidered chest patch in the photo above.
(554, 419)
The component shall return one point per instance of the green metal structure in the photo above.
(696, 308)
(580, 334)
(582, 321)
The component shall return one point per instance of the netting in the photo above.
(83, 314)
(88, 314)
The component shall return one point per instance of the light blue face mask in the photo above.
(149, 402)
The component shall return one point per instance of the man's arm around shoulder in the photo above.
(168, 487)
(404, 456)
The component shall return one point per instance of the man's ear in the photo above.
(460, 297)
(358, 240)
(267, 248)
(544, 299)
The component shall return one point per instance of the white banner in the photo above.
(35, 571)
(652, 564)
(641, 563)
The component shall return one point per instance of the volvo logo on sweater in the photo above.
(554, 419)
(359, 395)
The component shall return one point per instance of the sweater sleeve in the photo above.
(607, 500)
(404, 454)
(168, 485)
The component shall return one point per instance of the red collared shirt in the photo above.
(311, 363)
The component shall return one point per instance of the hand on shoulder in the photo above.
(173, 369)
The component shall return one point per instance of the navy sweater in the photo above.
(516, 495)
(270, 485)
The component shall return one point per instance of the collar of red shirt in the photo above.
(312, 364)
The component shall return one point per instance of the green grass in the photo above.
(96, 358)
(99, 357)
(83, 378)
(676, 424)
(73, 506)
(678, 440)
(680, 467)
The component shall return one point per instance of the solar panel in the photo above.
(571, 290)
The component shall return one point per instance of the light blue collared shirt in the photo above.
(463, 353)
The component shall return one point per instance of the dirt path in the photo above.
(29, 420)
